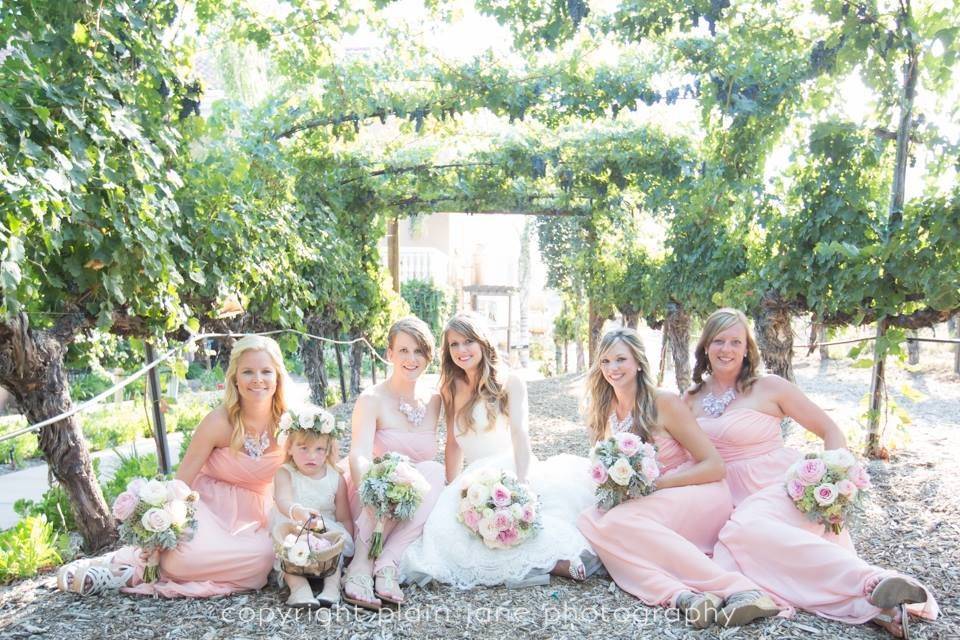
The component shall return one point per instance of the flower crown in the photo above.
(309, 417)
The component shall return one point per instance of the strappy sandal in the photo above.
(746, 606)
(699, 609)
(364, 584)
(393, 594)
(900, 618)
(94, 579)
(896, 590)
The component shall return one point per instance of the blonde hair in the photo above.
(600, 394)
(231, 397)
(491, 387)
(296, 436)
(416, 329)
(721, 320)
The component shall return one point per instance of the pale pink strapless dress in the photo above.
(421, 447)
(656, 546)
(232, 549)
(772, 543)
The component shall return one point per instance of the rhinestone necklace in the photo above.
(413, 413)
(619, 426)
(714, 406)
(254, 446)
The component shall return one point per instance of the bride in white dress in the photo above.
(486, 413)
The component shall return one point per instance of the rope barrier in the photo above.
(156, 362)
(864, 339)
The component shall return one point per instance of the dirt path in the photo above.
(911, 523)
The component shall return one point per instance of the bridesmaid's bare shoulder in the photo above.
(215, 427)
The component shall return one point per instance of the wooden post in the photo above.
(159, 424)
(664, 345)
(393, 253)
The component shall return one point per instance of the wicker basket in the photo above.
(327, 560)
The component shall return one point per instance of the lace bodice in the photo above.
(483, 440)
(315, 493)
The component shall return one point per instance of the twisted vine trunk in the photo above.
(676, 330)
(631, 319)
(356, 365)
(314, 364)
(32, 369)
(913, 348)
(594, 328)
(775, 335)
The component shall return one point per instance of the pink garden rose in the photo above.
(811, 471)
(317, 544)
(795, 489)
(502, 520)
(508, 537)
(135, 485)
(501, 495)
(471, 518)
(649, 450)
(529, 513)
(650, 469)
(628, 443)
(859, 476)
(598, 473)
(847, 488)
(124, 506)
(156, 520)
(825, 494)
(177, 490)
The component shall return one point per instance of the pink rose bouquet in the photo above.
(623, 467)
(826, 486)
(393, 488)
(155, 515)
(498, 508)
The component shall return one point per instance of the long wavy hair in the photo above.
(231, 397)
(600, 395)
(491, 389)
(721, 320)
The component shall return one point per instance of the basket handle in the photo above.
(306, 524)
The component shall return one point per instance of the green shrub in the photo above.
(87, 385)
(54, 506)
(428, 302)
(195, 370)
(30, 546)
(111, 426)
(184, 445)
(129, 468)
(210, 379)
(186, 415)
(22, 447)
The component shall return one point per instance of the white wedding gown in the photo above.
(450, 553)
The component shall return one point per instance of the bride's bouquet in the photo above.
(498, 508)
(623, 467)
(393, 488)
(155, 515)
(825, 486)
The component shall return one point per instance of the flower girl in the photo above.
(308, 486)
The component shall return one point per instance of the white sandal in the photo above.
(92, 579)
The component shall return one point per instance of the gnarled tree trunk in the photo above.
(676, 329)
(32, 369)
(314, 367)
(913, 347)
(775, 335)
(356, 365)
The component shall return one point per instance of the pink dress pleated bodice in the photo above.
(657, 546)
(751, 444)
(771, 542)
(232, 549)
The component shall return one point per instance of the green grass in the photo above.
(30, 546)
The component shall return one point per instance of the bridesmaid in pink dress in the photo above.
(230, 462)
(393, 416)
(767, 538)
(656, 547)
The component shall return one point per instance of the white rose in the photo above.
(154, 492)
(489, 475)
(487, 529)
(289, 541)
(838, 458)
(286, 421)
(177, 510)
(478, 494)
(516, 511)
(299, 554)
(621, 471)
(156, 520)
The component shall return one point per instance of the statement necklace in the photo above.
(714, 406)
(256, 446)
(619, 426)
(413, 413)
